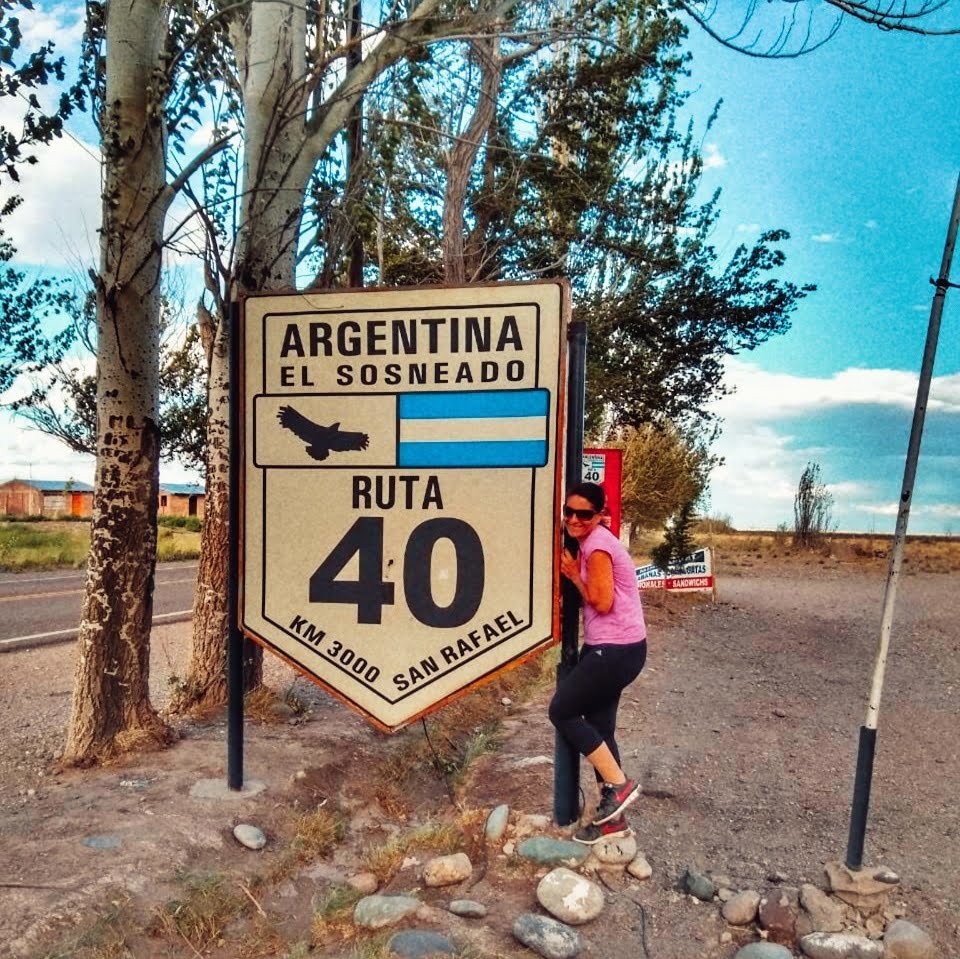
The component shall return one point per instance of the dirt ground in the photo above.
(743, 728)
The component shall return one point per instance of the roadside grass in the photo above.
(63, 544)
(202, 912)
(109, 936)
(439, 837)
(43, 546)
(448, 743)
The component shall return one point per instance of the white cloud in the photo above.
(61, 23)
(748, 228)
(764, 448)
(763, 396)
(825, 237)
(713, 159)
(871, 224)
(57, 222)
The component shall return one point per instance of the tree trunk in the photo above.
(462, 155)
(111, 704)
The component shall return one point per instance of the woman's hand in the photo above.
(570, 567)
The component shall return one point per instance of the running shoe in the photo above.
(614, 799)
(591, 834)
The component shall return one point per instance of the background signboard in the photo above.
(605, 467)
(400, 486)
(693, 575)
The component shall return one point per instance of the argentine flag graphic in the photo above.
(494, 428)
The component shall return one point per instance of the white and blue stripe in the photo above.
(493, 428)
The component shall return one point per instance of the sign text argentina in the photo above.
(400, 483)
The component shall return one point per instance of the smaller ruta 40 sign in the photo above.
(400, 486)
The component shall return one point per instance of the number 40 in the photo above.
(370, 593)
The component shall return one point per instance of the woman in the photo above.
(584, 707)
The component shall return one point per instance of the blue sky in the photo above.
(855, 149)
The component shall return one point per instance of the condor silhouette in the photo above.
(320, 440)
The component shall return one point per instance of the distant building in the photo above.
(181, 499)
(46, 498)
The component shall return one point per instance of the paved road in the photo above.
(38, 608)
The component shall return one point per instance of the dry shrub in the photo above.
(333, 914)
(385, 860)
(200, 915)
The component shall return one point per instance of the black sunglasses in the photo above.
(584, 514)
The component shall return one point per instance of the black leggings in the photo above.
(584, 707)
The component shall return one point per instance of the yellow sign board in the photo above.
(400, 485)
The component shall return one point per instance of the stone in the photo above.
(102, 842)
(552, 852)
(547, 937)
(741, 909)
(777, 914)
(496, 824)
(824, 913)
(640, 868)
(249, 836)
(725, 937)
(860, 888)
(875, 925)
(375, 912)
(570, 897)
(904, 940)
(365, 883)
(419, 944)
(615, 852)
(447, 870)
(468, 908)
(763, 950)
(839, 945)
(698, 885)
(432, 915)
(725, 895)
(530, 823)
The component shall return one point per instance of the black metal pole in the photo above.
(235, 642)
(566, 759)
(868, 731)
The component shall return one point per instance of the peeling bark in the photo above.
(111, 704)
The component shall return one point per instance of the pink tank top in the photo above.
(624, 623)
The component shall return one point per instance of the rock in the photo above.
(249, 836)
(468, 908)
(875, 925)
(763, 950)
(447, 870)
(839, 945)
(720, 881)
(375, 912)
(640, 868)
(904, 940)
(419, 944)
(506, 701)
(496, 824)
(364, 882)
(102, 842)
(698, 885)
(615, 852)
(825, 914)
(725, 937)
(860, 888)
(531, 823)
(509, 848)
(725, 895)
(570, 897)
(741, 910)
(432, 915)
(778, 916)
(549, 938)
(552, 852)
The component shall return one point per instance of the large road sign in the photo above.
(401, 486)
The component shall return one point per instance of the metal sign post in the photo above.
(566, 759)
(868, 731)
(234, 636)
(400, 486)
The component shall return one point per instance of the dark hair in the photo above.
(591, 492)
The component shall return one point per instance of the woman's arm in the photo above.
(598, 590)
